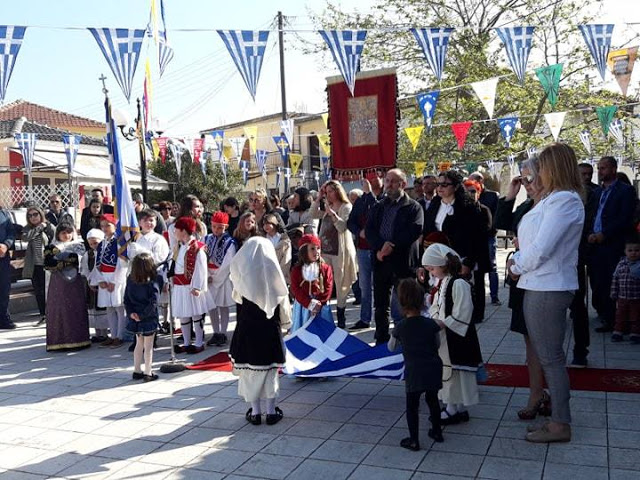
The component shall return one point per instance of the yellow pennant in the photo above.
(414, 135)
(156, 148)
(252, 134)
(325, 119)
(323, 139)
(295, 160)
(419, 166)
(227, 151)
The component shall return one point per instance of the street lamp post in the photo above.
(132, 134)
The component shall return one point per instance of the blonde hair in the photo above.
(339, 189)
(559, 169)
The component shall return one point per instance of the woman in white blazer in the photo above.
(545, 267)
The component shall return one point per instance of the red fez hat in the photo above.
(220, 217)
(437, 237)
(475, 184)
(309, 239)
(109, 217)
(187, 224)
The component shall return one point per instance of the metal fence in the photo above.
(23, 195)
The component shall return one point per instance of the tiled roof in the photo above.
(9, 127)
(45, 116)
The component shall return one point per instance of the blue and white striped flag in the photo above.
(517, 42)
(287, 177)
(278, 177)
(434, 43)
(616, 130)
(585, 138)
(127, 227)
(598, 40)
(247, 50)
(218, 138)
(11, 38)
(27, 145)
(121, 47)
(346, 48)
(261, 160)
(508, 128)
(165, 55)
(71, 147)
(319, 349)
(244, 166)
(427, 102)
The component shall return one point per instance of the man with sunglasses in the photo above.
(56, 213)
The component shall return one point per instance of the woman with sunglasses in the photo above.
(260, 205)
(165, 210)
(38, 233)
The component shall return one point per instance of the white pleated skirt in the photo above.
(460, 389)
(220, 294)
(183, 304)
(111, 299)
(256, 384)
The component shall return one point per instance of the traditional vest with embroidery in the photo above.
(189, 261)
(217, 248)
(107, 258)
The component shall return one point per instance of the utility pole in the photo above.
(282, 86)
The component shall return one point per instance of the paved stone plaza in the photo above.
(79, 415)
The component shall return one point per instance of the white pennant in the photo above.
(486, 92)
(555, 121)
(287, 128)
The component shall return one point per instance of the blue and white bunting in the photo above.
(27, 145)
(121, 48)
(261, 160)
(508, 128)
(244, 166)
(224, 166)
(278, 177)
(218, 138)
(585, 138)
(283, 148)
(127, 227)
(598, 40)
(346, 48)
(427, 102)
(532, 152)
(287, 177)
(517, 42)
(434, 43)
(71, 147)
(165, 55)
(616, 130)
(247, 50)
(11, 38)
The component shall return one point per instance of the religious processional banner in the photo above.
(363, 126)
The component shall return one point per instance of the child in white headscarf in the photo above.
(97, 316)
(257, 350)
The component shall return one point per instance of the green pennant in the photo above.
(550, 79)
(605, 115)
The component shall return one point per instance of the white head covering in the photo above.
(95, 233)
(256, 276)
(436, 255)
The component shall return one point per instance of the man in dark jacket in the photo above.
(56, 213)
(7, 237)
(393, 230)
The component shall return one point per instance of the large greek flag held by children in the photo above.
(319, 349)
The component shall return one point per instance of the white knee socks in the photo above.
(215, 320)
(271, 406)
(185, 325)
(224, 319)
(255, 407)
(117, 321)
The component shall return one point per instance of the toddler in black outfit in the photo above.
(420, 339)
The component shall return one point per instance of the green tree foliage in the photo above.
(476, 54)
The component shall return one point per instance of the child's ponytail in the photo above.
(454, 264)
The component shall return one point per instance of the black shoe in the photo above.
(42, 321)
(150, 378)
(179, 348)
(253, 419)
(214, 340)
(357, 302)
(223, 340)
(8, 326)
(410, 444)
(579, 362)
(496, 302)
(137, 375)
(454, 419)
(342, 320)
(604, 329)
(273, 418)
(436, 435)
(381, 341)
(192, 349)
(359, 325)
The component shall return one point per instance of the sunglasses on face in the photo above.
(444, 184)
(527, 179)
(167, 209)
(34, 214)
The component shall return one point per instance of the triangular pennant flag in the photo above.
(461, 130)
(71, 147)
(27, 145)
(419, 168)
(218, 138)
(228, 152)
(261, 160)
(517, 42)
(244, 167)
(616, 130)
(121, 48)
(287, 129)
(247, 51)
(550, 80)
(224, 166)
(555, 120)
(278, 177)
(621, 65)
(486, 92)
(162, 145)
(532, 152)
(605, 115)
(237, 144)
(346, 47)
(198, 145)
(252, 134)
(427, 102)
(325, 119)
(11, 38)
(434, 43)
(295, 160)
(508, 128)
(287, 177)
(155, 148)
(413, 133)
(283, 148)
(598, 40)
(585, 138)
(325, 143)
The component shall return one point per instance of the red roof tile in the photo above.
(46, 116)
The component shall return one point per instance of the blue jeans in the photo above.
(365, 279)
(493, 273)
(5, 290)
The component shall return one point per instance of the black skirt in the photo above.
(516, 299)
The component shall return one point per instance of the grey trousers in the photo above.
(545, 314)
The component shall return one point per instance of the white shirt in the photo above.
(444, 210)
(549, 235)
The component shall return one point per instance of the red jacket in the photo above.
(304, 292)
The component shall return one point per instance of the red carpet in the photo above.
(218, 363)
(593, 379)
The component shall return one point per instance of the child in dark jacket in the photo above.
(420, 340)
(141, 297)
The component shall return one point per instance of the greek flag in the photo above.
(218, 138)
(10, 42)
(346, 47)
(585, 138)
(427, 102)
(244, 166)
(319, 349)
(27, 146)
(532, 152)
(517, 41)
(165, 54)
(283, 148)
(434, 43)
(71, 147)
(287, 177)
(616, 130)
(121, 47)
(287, 129)
(247, 50)
(508, 128)
(261, 160)
(598, 40)
(127, 226)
